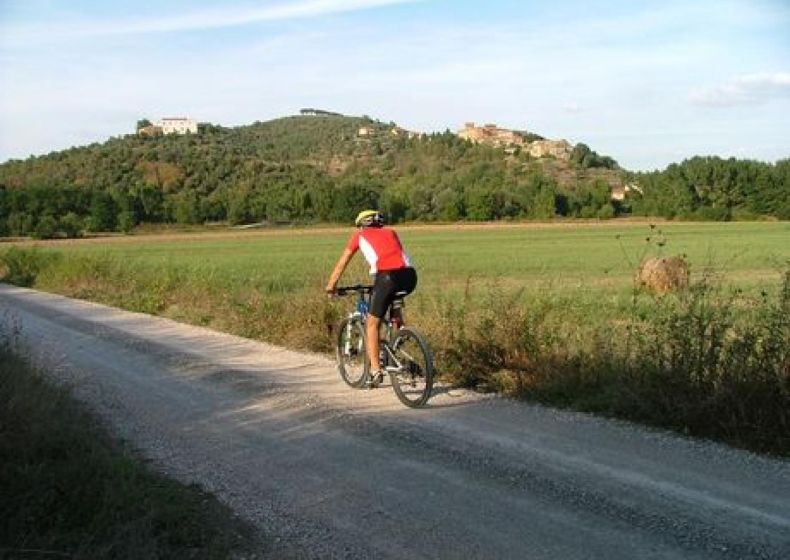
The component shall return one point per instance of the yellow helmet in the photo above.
(369, 218)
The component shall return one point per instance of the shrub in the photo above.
(605, 212)
(709, 213)
(71, 225)
(20, 223)
(46, 228)
(22, 266)
(702, 361)
(126, 222)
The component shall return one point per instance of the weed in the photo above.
(69, 491)
(21, 266)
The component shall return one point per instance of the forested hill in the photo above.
(326, 167)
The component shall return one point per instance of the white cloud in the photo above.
(611, 81)
(748, 89)
(32, 34)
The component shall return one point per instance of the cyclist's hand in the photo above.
(331, 292)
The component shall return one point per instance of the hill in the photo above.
(313, 167)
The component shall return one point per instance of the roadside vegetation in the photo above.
(549, 313)
(70, 491)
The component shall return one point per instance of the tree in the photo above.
(71, 225)
(142, 123)
(545, 202)
(186, 208)
(579, 152)
(480, 203)
(103, 213)
(46, 228)
(20, 223)
(126, 221)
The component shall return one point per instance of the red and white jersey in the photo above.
(382, 248)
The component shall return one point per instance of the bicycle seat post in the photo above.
(396, 312)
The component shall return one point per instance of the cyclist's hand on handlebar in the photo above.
(331, 292)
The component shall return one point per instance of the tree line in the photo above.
(713, 188)
(317, 169)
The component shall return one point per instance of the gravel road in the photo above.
(340, 473)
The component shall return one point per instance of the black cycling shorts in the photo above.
(386, 287)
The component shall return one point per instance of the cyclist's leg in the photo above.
(372, 325)
(384, 289)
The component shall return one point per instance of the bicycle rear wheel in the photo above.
(352, 359)
(413, 379)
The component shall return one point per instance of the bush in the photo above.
(46, 228)
(605, 212)
(743, 215)
(20, 223)
(71, 225)
(22, 266)
(709, 213)
(126, 222)
(701, 362)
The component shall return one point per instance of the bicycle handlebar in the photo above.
(357, 288)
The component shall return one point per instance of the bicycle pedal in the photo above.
(374, 380)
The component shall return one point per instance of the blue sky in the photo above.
(648, 83)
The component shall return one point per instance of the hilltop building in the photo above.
(534, 145)
(620, 192)
(560, 149)
(399, 131)
(492, 134)
(368, 131)
(170, 125)
(150, 130)
(177, 125)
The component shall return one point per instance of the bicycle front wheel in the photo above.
(352, 359)
(412, 375)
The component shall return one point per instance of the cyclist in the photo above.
(392, 271)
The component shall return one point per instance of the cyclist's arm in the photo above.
(342, 262)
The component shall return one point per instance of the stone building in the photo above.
(177, 125)
(491, 134)
(560, 149)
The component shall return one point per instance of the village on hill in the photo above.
(488, 134)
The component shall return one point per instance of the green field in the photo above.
(549, 311)
(586, 270)
(566, 256)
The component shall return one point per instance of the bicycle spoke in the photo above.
(350, 351)
(413, 379)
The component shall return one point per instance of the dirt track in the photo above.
(335, 472)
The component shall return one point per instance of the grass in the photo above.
(545, 311)
(70, 491)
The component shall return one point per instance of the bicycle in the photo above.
(404, 352)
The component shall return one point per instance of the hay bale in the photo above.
(664, 274)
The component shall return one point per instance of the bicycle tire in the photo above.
(414, 381)
(350, 350)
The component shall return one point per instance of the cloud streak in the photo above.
(33, 34)
(749, 89)
(622, 81)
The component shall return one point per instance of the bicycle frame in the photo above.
(410, 366)
(392, 322)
